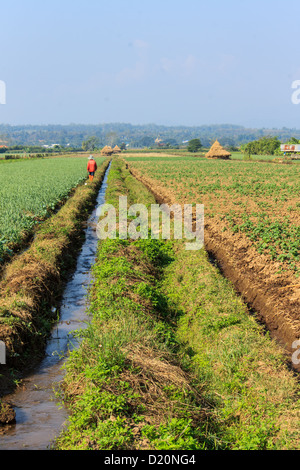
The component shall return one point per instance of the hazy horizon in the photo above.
(96, 124)
(169, 63)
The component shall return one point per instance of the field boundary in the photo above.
(271, 309)
(33, 282)
(162, 316)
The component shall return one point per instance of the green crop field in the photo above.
(30, 190)
(258, 199)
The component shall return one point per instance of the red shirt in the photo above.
(91, 166)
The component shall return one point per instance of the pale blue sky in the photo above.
(188, 62)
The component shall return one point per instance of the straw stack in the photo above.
(217, 151)
(117, 149)
(106, 150)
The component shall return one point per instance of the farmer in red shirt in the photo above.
(91, 167)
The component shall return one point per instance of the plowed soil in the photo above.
(273, 294)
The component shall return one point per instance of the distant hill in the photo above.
(136, 136)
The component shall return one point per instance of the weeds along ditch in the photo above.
(38, 419)
(32, 284)
(125, 385)
(171, 358)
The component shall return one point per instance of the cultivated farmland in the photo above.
(31, 189)
(182, 364)
(171, 358)
(252, 225)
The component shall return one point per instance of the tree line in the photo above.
(137, 136)
(266, 146)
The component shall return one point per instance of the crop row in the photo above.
(31, 190)
(258, 199)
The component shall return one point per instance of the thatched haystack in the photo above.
(106, 150)
(117, 149)
(217, 151)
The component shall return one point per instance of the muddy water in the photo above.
(39, 419)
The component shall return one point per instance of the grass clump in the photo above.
(125, 386)
(245, 372)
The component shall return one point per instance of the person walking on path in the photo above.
(91, 167)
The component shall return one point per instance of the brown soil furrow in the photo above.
(255, 277)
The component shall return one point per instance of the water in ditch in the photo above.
(39, 419)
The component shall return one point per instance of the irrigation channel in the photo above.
(39, 419)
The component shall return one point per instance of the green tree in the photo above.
(293, 140)
(263, 146)
(194, 145)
